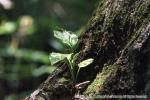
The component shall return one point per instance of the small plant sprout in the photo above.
(70, 40)
(83, 64)
(70, 61)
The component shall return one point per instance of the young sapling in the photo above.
(71, 41)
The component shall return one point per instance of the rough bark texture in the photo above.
(118, 38)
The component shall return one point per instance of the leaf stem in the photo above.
(71, 70)
(77, 74)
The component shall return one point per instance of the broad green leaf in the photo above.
(7, 28)
(56, 57)
(25, 54)
(67, 38)
(43, 70)
(84, 63)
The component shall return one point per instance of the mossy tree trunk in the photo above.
(117, 37)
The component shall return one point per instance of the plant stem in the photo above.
(77, 74)
(71, 70)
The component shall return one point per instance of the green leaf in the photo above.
(56, 57)
(85, 63)
(7, 28)
(67, 38)
(43, 70)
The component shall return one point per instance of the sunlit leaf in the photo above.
(43, 70)
(85, 62)
(7, 28)
(56, 57)
(67, 38)
(26, 54)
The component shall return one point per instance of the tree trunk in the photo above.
(117, 37)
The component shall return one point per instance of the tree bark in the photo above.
(117, 37)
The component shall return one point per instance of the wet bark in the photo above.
(117, 37)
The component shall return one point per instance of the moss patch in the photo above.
(110, 31)
(99, 82)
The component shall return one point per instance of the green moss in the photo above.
(99, 82)
(143, 10)
(97, 15)
(127, 22)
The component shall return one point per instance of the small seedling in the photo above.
(71, 41)
(83, 64)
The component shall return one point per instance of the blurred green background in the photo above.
(26, 39)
